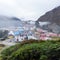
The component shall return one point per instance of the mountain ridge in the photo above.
(53, 17)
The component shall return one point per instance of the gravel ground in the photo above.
(8, 42)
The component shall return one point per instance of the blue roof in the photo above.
(16, 33)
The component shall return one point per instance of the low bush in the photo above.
(33, 50)
(43, 57)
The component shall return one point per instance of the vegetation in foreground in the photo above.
(1, 46)
(33, 50)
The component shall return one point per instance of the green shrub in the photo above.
(43, 57)
(33, 50)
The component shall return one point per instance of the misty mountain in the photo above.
(9, 22)
(53, 17)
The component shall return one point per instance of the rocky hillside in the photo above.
(53, 17)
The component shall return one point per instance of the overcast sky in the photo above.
(28, 9)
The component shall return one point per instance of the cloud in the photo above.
(29, 9)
